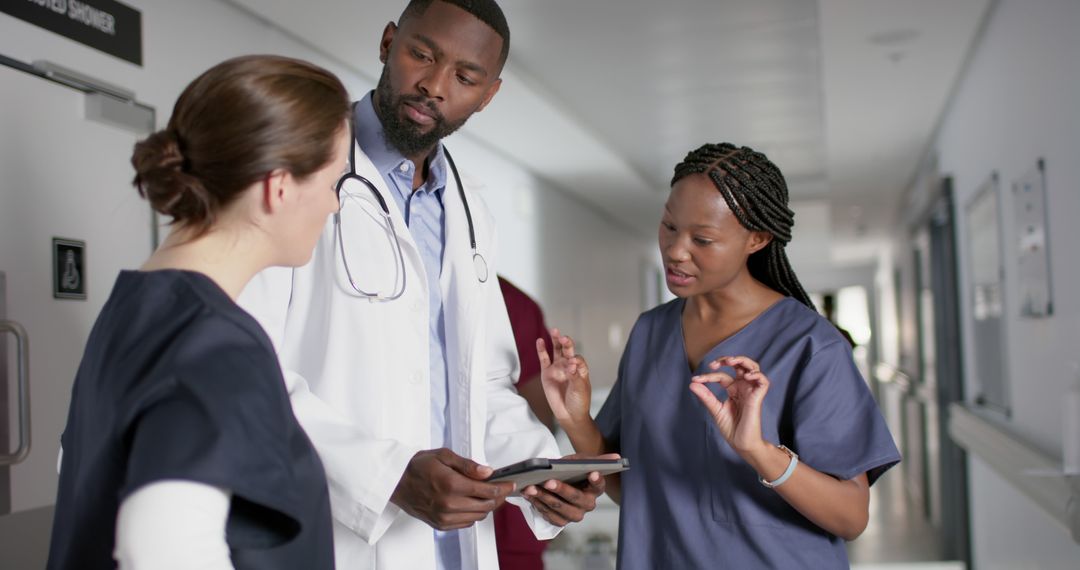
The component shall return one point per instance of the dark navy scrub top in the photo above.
(690, 501)
(177, 382)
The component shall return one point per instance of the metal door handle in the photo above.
(23, 359)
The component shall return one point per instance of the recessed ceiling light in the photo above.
(894, 38)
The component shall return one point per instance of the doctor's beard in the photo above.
(402, 134)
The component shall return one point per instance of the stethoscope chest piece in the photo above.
(479, 263)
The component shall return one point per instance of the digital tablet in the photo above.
(573, 471)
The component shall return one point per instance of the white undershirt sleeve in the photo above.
(173, 525)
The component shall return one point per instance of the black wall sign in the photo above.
(105, 25)
(69, 268)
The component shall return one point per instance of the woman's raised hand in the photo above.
(565, 379)
(738, 418)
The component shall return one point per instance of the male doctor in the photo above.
(408, 397)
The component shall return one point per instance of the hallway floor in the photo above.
(897, 533)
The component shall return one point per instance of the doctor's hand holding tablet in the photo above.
(563, 490)
(450, 492)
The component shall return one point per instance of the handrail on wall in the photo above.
(23, 359)
(1035, 474)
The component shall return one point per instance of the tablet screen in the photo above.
(538, 470)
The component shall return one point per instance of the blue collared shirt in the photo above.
(426, 219)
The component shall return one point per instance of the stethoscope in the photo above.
(479, 263)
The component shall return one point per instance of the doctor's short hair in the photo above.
(231, 127)
(487, 11)
(756, 192)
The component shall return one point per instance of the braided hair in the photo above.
(756, 193)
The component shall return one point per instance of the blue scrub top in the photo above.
(690, 501)
(178, 382)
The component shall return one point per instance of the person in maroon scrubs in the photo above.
(517, 546)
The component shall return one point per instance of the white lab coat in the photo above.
(357, 373)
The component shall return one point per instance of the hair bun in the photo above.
(163, 179)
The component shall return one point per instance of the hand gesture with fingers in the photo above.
(565, 379)
(738, 418)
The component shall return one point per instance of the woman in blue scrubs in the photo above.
(181, 449)
(753, 436)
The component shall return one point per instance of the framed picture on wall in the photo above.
(1032, 243)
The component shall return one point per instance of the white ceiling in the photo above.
(603, 97)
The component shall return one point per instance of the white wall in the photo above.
(584, 269)
(1019, 100)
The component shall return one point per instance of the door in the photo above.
(61, 176)
(942, 466)
(950, 462)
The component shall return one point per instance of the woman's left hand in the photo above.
(738, 418)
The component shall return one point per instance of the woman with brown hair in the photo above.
(181, 449)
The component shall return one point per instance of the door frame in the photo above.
(939, 222)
